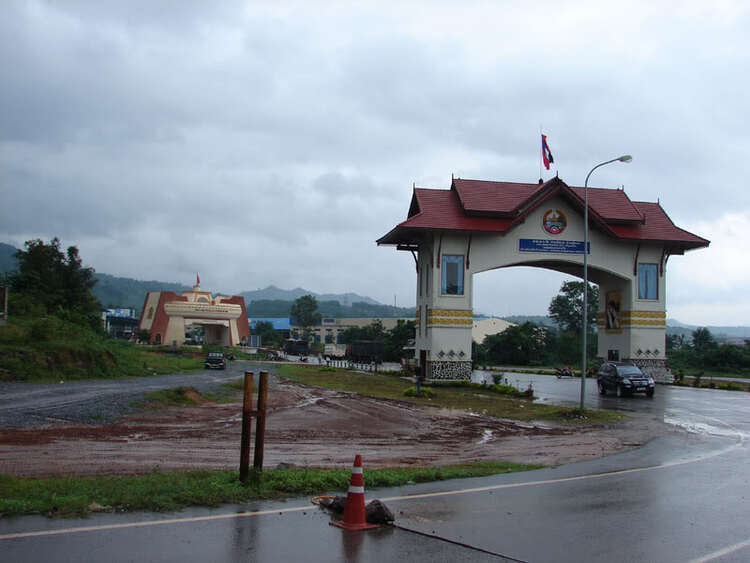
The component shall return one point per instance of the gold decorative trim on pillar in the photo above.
(637, 319)
(450, 317)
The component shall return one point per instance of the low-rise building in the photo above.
(120, 323)
(329, 329)
(482, 328)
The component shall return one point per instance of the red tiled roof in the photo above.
(610, 205)
(658, 227)
(503, 204)
(441, 209)
(497, 198)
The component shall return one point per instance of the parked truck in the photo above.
(296, 347)
(365, 351)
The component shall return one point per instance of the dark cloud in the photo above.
(273, 143)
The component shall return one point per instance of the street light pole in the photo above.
(623, 158)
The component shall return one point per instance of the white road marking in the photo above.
(152, 523)
(563, 479)
(721, 552)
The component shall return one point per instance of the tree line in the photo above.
(704, 353)
(51, 282)
(529, 344)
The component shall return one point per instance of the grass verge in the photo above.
(166, 491)
(713, 384)
(52, 349)
(541, 370)
(190, 396)
(475, 398)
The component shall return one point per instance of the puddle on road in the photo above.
(703, 428)
(486, 436)
(307, 402)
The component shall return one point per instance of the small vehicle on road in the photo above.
(297, 347)
(216, 360)
(624, 379)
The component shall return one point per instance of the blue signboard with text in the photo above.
(552, 246)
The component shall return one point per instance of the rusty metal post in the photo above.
(260, 425)
(247, 413)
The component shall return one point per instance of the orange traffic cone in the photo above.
(354, 513)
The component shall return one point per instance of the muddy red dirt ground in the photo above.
(308, 427)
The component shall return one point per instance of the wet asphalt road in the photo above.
(96, 401)
(683, 497)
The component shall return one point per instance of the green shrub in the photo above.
(500, 389)
(42, 330)
(461, 383)
(14, 333)
(426, 392)
(504, 389)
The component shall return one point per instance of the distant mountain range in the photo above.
(539, 320)
(113, 291)
(676, 327)
(271, 301)
(8, 261)
(273, 293)
(673, 327)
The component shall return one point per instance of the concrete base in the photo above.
(655, 368)
(449, 370)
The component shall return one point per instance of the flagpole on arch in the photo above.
(540, 151)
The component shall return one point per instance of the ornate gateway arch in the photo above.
(479, 225)
(166, 314)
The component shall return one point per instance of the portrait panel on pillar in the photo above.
(612, 308)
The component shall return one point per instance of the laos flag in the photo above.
(546, 153)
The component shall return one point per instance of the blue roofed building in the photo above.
(280, 324)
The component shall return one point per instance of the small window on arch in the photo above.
(453, 275)
(648, 281)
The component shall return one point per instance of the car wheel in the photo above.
(650, 393)
(620, 391)
(602, 389)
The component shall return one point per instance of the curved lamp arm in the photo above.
(623, 158)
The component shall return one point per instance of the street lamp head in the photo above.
(625, 158)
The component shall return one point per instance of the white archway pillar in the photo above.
(444, 307)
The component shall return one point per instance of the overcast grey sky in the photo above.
(272, 143)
